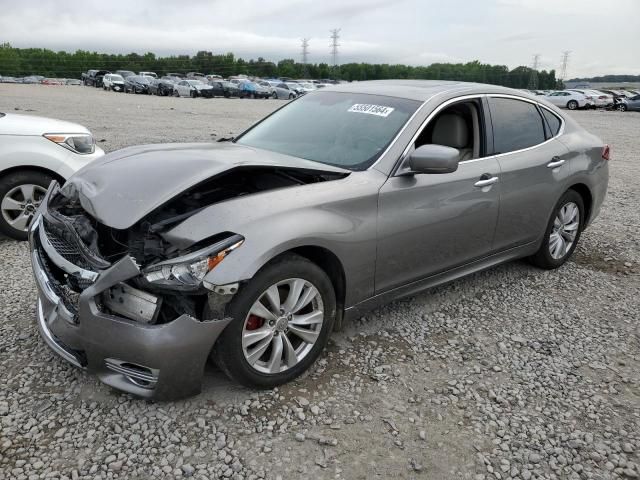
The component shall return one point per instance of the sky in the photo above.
(603, 38)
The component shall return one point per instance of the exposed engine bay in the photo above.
(95, 246)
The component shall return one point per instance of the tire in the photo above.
(192, 94)
(544, 258)
(229, 353)
(10, 193)
(227, 95)
(274, 95)
(291, 96)
(621, 107)
(176, 93)
(572, 105)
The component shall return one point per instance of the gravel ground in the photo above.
(510, 373)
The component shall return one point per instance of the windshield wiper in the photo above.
(227, 139)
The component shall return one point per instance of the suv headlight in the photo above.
(82, 143)
(188, 271)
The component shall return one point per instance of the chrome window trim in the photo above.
(469, 97)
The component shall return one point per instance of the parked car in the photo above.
(632, 104)
(53, 81)
(124, 73)
(296, 87)
(93, 78)
(283, 91)
(600, 99)
(250, 251)
(196, 76)
(224, 89)
(161, 86)
(268, 87)
(148, 74)
(5, 79)
(177, 75)
(33, 79)
(567, 99)
(114, 82)
(253, 90)
(192, 88)
(33, 152)
(73, 81)
(137, 84)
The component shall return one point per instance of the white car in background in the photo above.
(600, 99)
(568, 99)
(113, 81)
(33, 152)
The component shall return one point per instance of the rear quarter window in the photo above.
(517, 125)
(553, 121)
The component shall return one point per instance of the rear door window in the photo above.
(516, 124)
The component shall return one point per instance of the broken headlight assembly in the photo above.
(188, 271)
(81, 143)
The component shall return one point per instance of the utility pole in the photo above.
(533, 79)
(564, 63)
(335, 36)
(305, 56)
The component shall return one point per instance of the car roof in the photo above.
(421, 90)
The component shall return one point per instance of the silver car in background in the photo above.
(281, 90)
(155, 258)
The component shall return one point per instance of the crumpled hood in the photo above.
(122, 187)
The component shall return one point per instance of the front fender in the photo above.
(339, 216)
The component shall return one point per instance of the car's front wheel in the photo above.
(572, 105)
(282, 319)
(562, 233)
(622, 107)
(20, 196)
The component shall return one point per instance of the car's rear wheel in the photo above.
(562, 233)
(282, 320)
(20, 196)
(572, 105)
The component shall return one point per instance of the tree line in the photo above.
(609, 78)
(38, 61)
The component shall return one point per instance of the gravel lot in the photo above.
(510, 373)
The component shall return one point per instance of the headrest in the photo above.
(451, 130)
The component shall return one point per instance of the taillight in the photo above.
(606, 152)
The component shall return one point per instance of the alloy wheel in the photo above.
(282, 326)
(20, 204)
(564, 230)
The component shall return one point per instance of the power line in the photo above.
(335, 36)
(533, 79)
(564, 63)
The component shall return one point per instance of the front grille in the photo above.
(67, 295)
(66, 249)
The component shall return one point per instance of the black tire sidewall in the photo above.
(228, 352)
(543, 258)
(11, 181)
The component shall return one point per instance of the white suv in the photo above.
(113, 81)
(33, 152)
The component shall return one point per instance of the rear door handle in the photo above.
(555, 162)
(485, 182)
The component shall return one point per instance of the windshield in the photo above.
(194, 82)
(348, 130)
(117, 78)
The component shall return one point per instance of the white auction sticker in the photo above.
(378, 110)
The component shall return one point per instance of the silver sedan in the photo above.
(252, 250)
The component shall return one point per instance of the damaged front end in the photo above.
(147, 331)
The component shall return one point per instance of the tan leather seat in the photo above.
(451, 130)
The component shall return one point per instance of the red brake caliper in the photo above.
(254, 322)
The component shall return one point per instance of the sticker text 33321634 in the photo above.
(378, 110)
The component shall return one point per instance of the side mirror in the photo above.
(433, 158)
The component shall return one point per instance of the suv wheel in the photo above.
(20, 197)
(282, 320)
(562, 233)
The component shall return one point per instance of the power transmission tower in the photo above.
(533, 79)
(305, 55)
(564, 63)
(335, 36)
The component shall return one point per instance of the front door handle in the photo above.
(485, 182)
(555, 162)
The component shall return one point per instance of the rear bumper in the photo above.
(163, 361)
